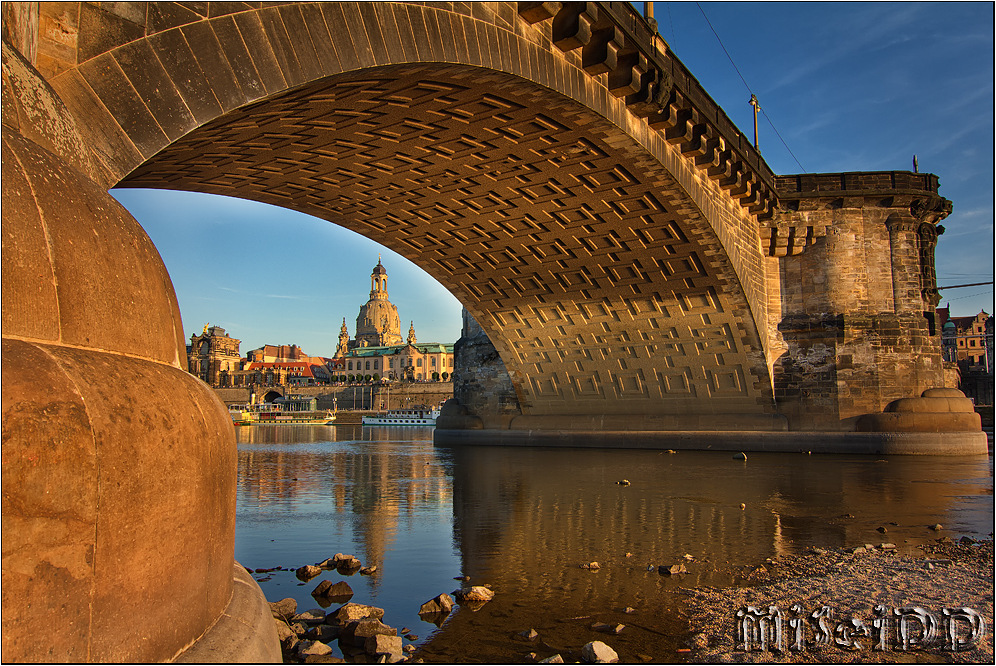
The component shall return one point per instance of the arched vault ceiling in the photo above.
(594, 274)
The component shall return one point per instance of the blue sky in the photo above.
(848, 86)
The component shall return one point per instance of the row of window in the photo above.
(365, 365)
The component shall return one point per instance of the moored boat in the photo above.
(419, 416)
(288, 410)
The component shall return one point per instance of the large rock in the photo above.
(381, 644)
(306, 647)
(327, 589)
(285, 608)
(357, 632)
(440, 604)
(283, 631)
(307, 572)
(597, 652)
(313, 616)
(351, 612)
(345, 562)
(474, 593)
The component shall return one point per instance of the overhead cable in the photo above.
(746, 85)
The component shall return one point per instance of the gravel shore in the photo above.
(948, 574)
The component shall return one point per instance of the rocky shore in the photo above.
(358, 630)
(833, 592)
(851, 583)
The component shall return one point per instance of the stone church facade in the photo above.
(378, 350)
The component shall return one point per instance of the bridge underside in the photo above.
(600, 283)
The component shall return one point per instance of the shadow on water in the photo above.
(523, 520)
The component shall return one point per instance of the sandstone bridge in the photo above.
(630, 266)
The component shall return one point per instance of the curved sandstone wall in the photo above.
(119, 467)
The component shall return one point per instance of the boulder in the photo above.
(440, 604)
(313, 616)
(328, 589)
(474, 593)
(351, 612)
(555, 659)
(608, 628)
(597, 652)
(672, 569)
(528, 635)
(380, 644)
(592, 566)
(283, 631)
(284, 608)
(368, 571)
(358, 631)
(340, 561)
(307, 572)
(306, 647)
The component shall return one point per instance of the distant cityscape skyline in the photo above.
(915, 79)
(319, 273)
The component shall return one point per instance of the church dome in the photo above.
(378, 323)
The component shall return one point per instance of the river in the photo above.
(523, 519)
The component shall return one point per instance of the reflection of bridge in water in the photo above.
(526, 530)
(633, 264)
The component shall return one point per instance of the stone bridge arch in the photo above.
(551, 163)
(611, 272)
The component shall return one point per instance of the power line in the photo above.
(970, 284)
(746, 85)
(960, 298)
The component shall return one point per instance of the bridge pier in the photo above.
(119, 467)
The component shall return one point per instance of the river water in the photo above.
(522, 520)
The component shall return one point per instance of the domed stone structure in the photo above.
(119, 467)
(378, 324)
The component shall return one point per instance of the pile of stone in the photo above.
(305, 637)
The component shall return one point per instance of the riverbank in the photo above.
(851, 582)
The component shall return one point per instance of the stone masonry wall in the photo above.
(857, 302)
(481, 384)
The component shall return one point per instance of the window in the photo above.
(434, 361)
(420, 365)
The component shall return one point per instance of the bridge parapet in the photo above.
(792, 229)
(617, 42)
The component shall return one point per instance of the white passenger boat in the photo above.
(422, 416)
(288, 410)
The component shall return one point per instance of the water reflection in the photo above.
(524, 519)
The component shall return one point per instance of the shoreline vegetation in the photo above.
(850, 582)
